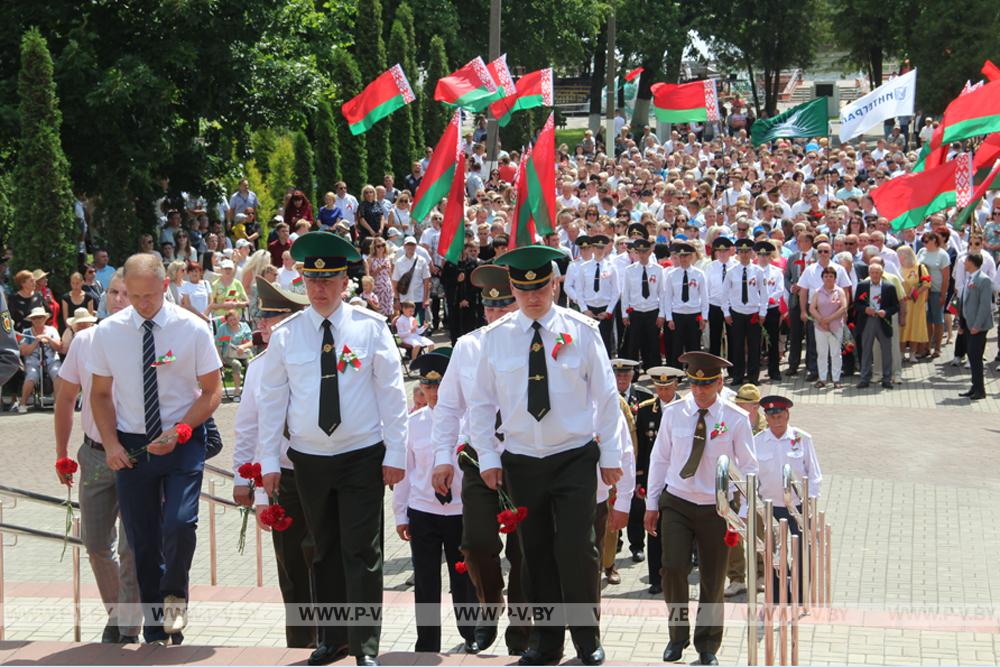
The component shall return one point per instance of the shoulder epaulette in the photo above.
(257, 356)
(648, 403)
(502, 320)
(580, 317)
(286, 320)
(370, 313)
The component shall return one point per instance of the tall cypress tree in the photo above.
(353, 147)
(405, 16)
(327, 150)
(305, 170)
(45, 232)
(401, 121)
(436, 115)
(369, 50)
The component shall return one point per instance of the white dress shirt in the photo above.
(675, 440)
(625, 488)
(609, 291)
(774, 284)
(733, 291)
(632, 288)
(572, 284)
(372, 398)
(74, 369)
(580, 375)
(716, 292)
(117, 353)
(416, 490)
(812, 278)
(673, 293)
(794, 447)
(246, 446)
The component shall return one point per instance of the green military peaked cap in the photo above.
(324, 254)
(275, 301)
(494, 281)
(530, 266)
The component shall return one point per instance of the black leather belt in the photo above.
(87, 440)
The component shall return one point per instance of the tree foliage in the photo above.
(281, 169)
(370, 54)
(401, 121)
(870, 31)
(45, 233)
(405, 16)
(436, 115)
(353, 148)
(305, 169)
(327, 150)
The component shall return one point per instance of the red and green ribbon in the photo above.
(165, 359)
(562, 341)
(348, 357)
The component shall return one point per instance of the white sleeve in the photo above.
(482, 414)
(607, 407)
(401, 491)
(390, 398)
(667, 296)
(812, 468)
(659, 463)
(448, 415)
(274, 393)
(625, 488)
(246, 426)
(704, 296)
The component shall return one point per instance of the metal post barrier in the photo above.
(260, 553)
(768, 581)
(810, 564)
(751, 542)
(820, 560)
(1, 577)
(213, 565)
(76, 582)
(783, 591)
(796, 570)
(828, 576)
(796, 495)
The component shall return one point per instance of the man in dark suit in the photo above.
(796, 327)
(875, 304)
(976, 319)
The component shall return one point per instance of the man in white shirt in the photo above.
(744, 307)
(347, 203)
(568, 198)
(774, 292)
(287, 273)
(685, 302)
(599, 293)
(116, 580)
(415, 269)
(166, 384)
(332, 378)
(642, 312)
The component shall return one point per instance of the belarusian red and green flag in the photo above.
(471, 88)
(541, 178)
(692, 102)
(381, 97)
(501, 74)
(907, 200)
(453, 226)
(436, 183)
(970, 114)
(534, 89)
(522, 228)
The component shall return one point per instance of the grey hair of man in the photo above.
(144, 263)
(869, 252)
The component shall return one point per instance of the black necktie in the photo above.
(645, 283)
(496, 427)
(685, 288)
(538, 380)
(697, 446)
(745, 292)
(150, 388)
(329, 390)
(597, 278)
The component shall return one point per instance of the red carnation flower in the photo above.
(461, 448)
(461, 567)
(697, 318)
(755, 319)
(731, 538)
(850, 325)
(66, 466)
(282, 524)
(183, 433)
(641, 491)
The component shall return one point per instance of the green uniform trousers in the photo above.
(293, 554)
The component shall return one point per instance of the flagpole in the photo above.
(609, 128)
(492, 127)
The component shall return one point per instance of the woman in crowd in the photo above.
(371, 217)
(24, 299)
(75, 298)
(176, 274)
(297, 208)
(81, 319)
(329, 214)
(399, 214)
(379, 267)
(938, 263)
(196, 293)
(234, 341)
(917, 285)
(827, 308)
(90, 284)
(227, 292)
(182, 247)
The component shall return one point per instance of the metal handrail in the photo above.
(216, 470)
(793, 484)
(724, 476)
(42, 534)
(35, 497)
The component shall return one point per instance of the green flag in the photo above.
(806, 120)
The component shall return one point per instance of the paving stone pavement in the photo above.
(909, 486)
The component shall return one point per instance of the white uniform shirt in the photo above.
(795, 448)
(416, 490)
(372, 398)
(245, 448)
(774, 284)
(117, 353)
(673, 292)
(675, 440)
(572, 283)
(625, 488)
(733, 291)
(580, 375)
(609, 291)
(632, 288)
(74, 369)
(716, 276)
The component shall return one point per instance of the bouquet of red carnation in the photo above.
(251, 473)
(67, 467)
(274, 517)
(640, 491)
(461, 567)
(510, 516)
(183, 435)
(731, 538)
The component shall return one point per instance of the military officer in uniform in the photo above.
(292, 547)
(647, 423)
(431, 521)
(744, 307)
(716, 274)
(573, 284)
(685, 302)
(680, 500)
(480, 540)
(332, 375)
(599, 291)
(10, 356)
(539, 366)
(633, 394)
(642, 286)
(774, 291)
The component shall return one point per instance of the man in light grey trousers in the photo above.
(116, 578)
(976, 320)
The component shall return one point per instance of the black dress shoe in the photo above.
(111, 635)
(674, 651)
(864, 384)
(327, 653)
(792, 371)
(655, 589)
(638, 556)
(966, 394)
(471, 646)
(594, 658)
(535, 657)
(485, 636)
(372, 661)
(707, 659)
(977, 397)
(812, 377)
(886, 384)
(774, 378)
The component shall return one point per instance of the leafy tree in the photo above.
(401, 120)
(870, 31)
(45, 233)
(435, 18)
(354, 148)
(258, 184)
(436, 115)
(405, 16)
(305, 176)
(327, 150)
(370, 54)
(281, 169)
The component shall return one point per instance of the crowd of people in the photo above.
(694, 260)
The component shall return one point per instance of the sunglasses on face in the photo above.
(823, 252)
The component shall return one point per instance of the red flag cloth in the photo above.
(634, 73)
(990, 71)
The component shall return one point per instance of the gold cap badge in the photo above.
(494, 293)
(319, 264)
(530, 275)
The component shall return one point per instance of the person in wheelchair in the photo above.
(40, 347)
